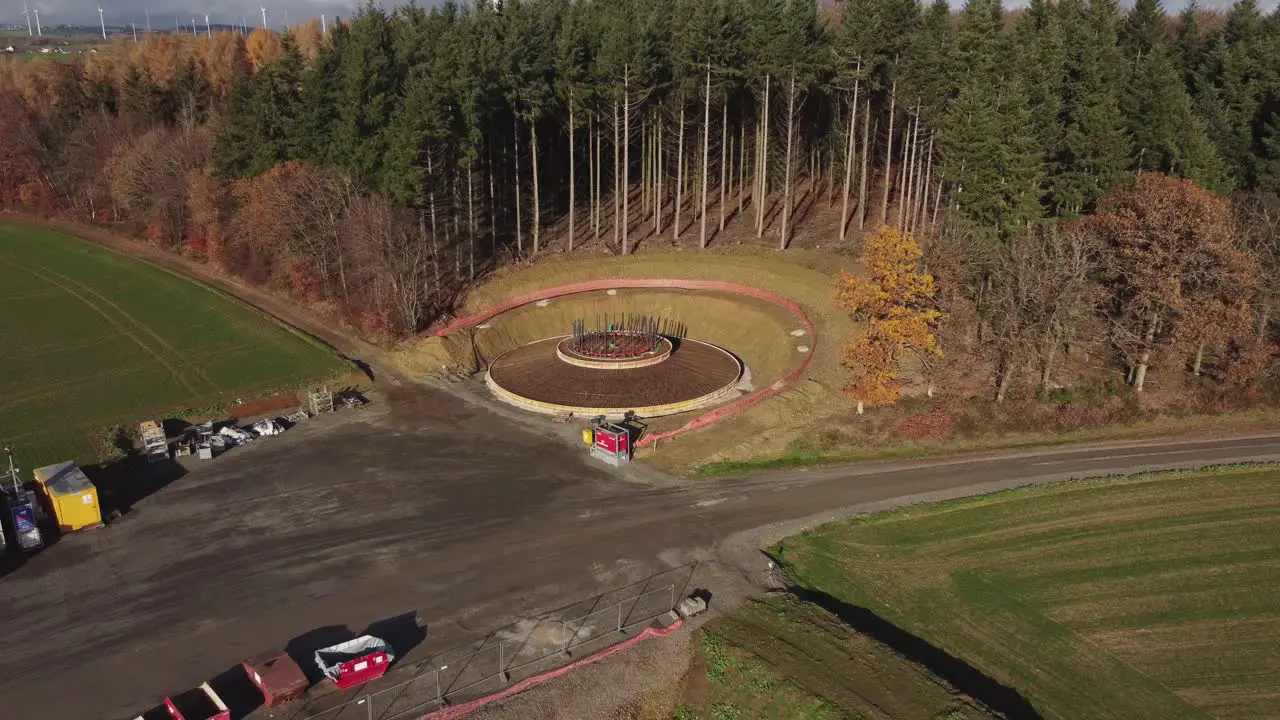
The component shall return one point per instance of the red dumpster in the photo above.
(355, 662)
(276, 675)
(201, 703)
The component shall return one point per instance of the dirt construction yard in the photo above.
(344, 520)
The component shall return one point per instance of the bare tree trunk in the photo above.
(848, 157)
(726, 155)
(831, 177)
(866, 153)
(645, 145)
(1264, 318)
(706, 157)
(786, 189)
(471, 222)
(888, 156)
(675, 228)
(742, 167)
(937, 202)
(1195, 366)
(764, 162)
(519, 232)
(493, 208)
(599, 187)
(1051, 349)
(626, 157)
(928, 181)
(537, 203)
(917, 179)
(572, 167)
(1006, 378)
(435, 248)
(904, 184)
(617, 200)
(1140, 373)
(591, 171)
(661, 192)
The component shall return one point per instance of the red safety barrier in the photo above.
(458, 711)
(734, 408)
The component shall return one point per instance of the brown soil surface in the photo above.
(694, 369)
(264, 406)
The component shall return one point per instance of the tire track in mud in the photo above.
(114, 322)
(181, 358)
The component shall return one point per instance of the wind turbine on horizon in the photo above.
(148, 12)
(36, 10)
(208, 31)
(26, 11)
(102, 22)
(264, 17)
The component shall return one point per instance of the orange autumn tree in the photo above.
(895, 300)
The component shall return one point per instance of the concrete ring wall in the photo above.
(642, 361)
(734, 408)
(617, 413)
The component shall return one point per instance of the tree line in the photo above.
(382, 166)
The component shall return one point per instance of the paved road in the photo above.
(421, 503)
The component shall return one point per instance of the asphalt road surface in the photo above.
(421, 503)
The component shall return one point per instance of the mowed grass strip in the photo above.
(90, 339)
(1145, 597)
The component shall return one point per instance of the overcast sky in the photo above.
(164, 12)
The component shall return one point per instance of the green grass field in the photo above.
(90, 339)
(783, 659)
(1153, 596)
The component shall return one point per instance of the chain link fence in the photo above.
(525, 649)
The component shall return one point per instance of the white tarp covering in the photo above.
(263, 428)
(235, 436)
(328, 659)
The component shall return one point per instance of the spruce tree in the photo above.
(1167, 134)
(1144, 27)
(1094, 153)
(313, 131)
(365, 95)
(1041, 53)
(994, 162)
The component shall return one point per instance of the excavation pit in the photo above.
(612, 376)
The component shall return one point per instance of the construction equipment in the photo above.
(70, 495)
(355, 662)
(154, 443)
(22, 513)
(610, 442)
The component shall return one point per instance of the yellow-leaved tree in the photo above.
(895, 300)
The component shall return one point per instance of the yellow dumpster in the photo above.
(588, 437)
(70, 495)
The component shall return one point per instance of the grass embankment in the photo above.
(782, 659)
(90, 339)
(801, 455)
(1151, 596)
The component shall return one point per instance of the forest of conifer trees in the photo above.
(382, 166)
